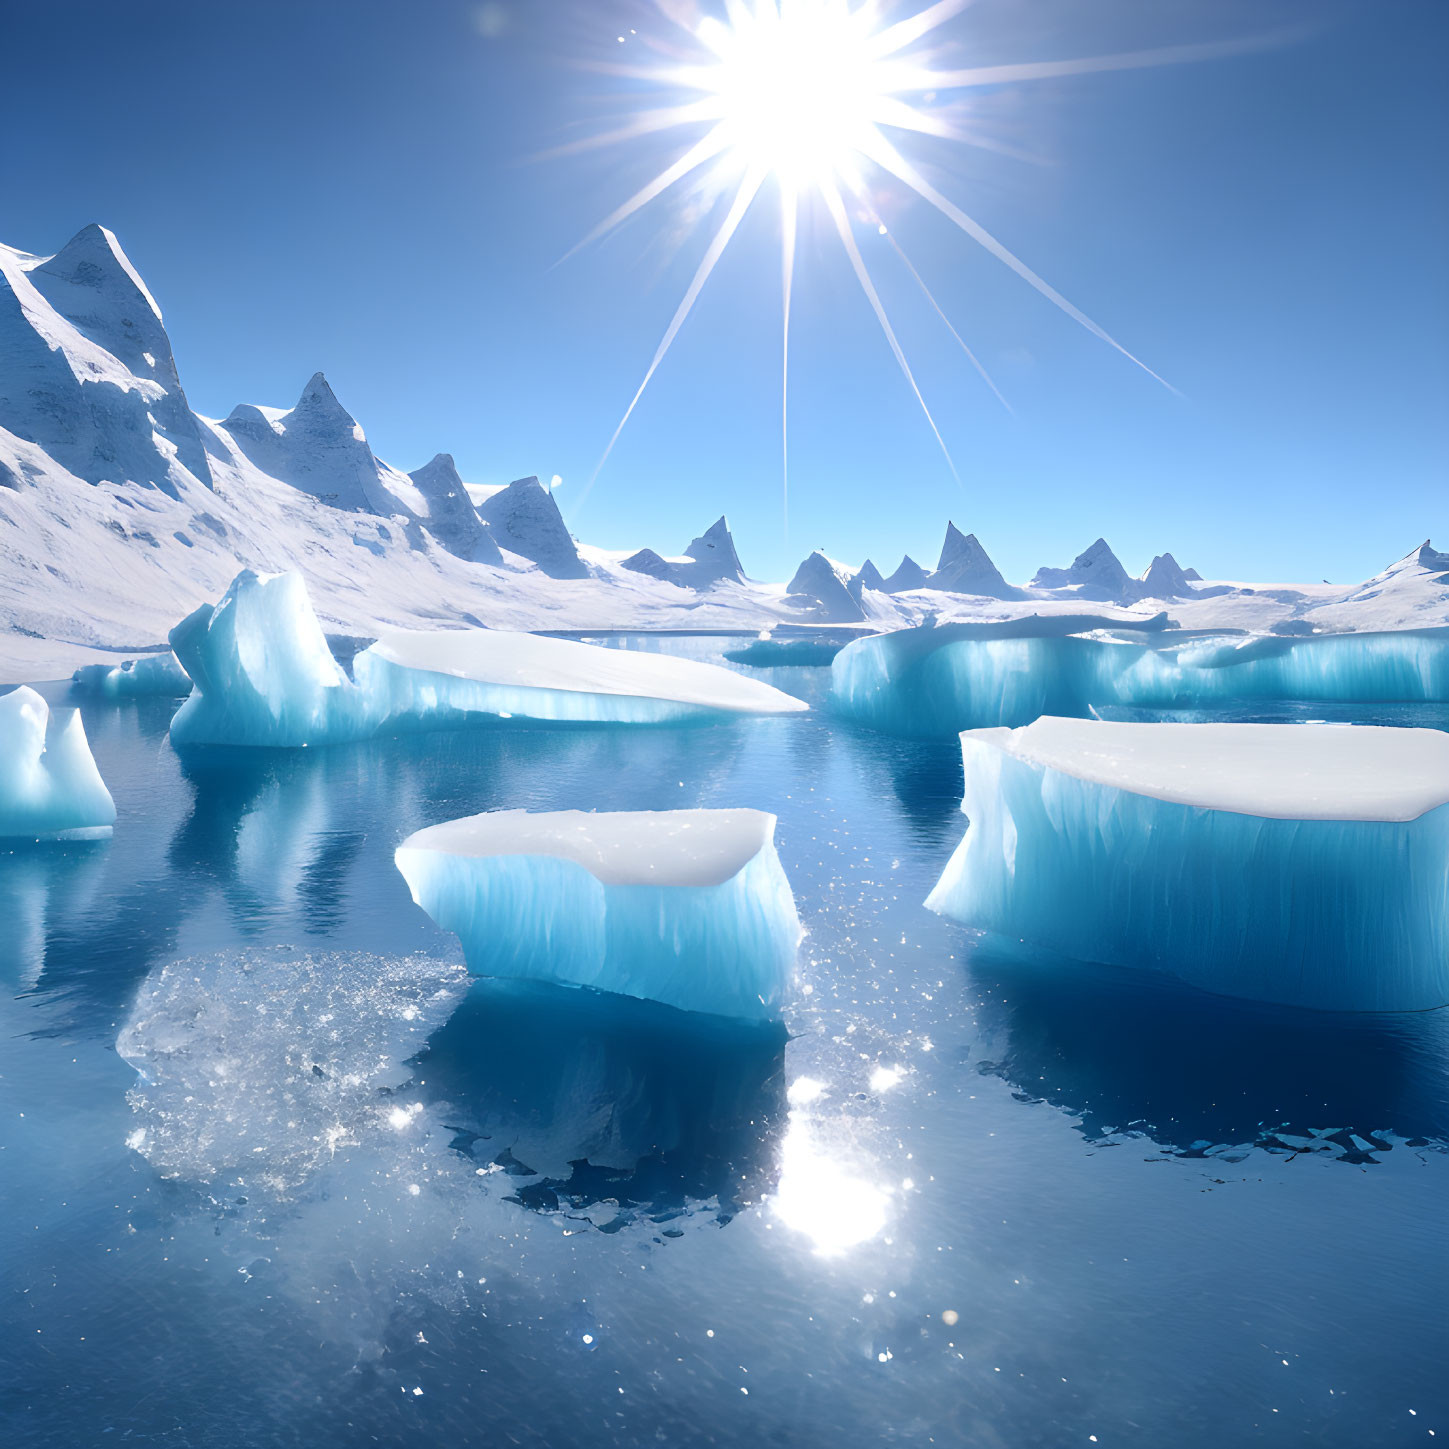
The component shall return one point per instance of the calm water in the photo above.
(349, 1200)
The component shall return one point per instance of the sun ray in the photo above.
(885, 155)
(897, 37)
(950, 326)
(836, 207)
(702, 151)
(647, 123)
(993, 75)
(823, 96)
(789, 212)
(749, 187)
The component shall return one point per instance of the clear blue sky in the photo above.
(355, 187)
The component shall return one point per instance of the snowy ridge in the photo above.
(122, 510)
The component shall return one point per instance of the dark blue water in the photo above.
(353, 1202)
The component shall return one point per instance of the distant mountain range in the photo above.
(121, 508)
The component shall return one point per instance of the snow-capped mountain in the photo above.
(122, 509)
(86, 370)
(822, 588)
(965, 568)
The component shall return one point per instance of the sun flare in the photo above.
(819, 97)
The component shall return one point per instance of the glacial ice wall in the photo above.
(935, 682)
(1244, 859)
(686, 907)
(263, 676)
(155, 674)
(50, 788)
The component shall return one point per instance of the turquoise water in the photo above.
(959, 1203)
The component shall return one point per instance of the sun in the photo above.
(822, 98)
(796, 89)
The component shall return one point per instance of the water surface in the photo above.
(351, 1199)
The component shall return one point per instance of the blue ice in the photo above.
(153, 674)
(263, 675)
(936, 682)
(686, 907)
(50, 788)
(1300, 864)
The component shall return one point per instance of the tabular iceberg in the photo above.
(1300, 864)
(155, 674)
(687, 907)
(263, 675)
(50, 788)
(939, 681)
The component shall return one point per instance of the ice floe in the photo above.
(686, 907)
(264, 676)
(1302, 864)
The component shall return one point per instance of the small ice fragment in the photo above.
(50, 787)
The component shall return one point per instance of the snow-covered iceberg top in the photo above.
(687, 907)
(264, 676)
(1279, 772)
(50, 788)
(536, 661)
(1302, 864)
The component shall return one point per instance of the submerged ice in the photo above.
(50, 788)
(1300, 864)
(939, 681)
(263, 675)
(686, 907)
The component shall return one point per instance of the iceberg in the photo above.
(156, 674)
(935, 682)
(263, 676)
(1306, 865)
(50, 788)
(690, 908)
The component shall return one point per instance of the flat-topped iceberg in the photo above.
(940, 681)
(154, 674)
(1302, 864)
(687, 907)
(263, 675)
(50, 788)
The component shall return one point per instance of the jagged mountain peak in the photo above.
(966, 568)
(318, 402)
(868, 576)
(93, 257)
(714, 552)
(908, 575)
(525, 520)
(819, 578)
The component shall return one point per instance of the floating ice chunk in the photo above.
(263, 675)
(155, 674)
(261, 671)
(1302, 864)
(687, 907)
(939, 681)
(450, 676)
(50, 788)
(273, 1062)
